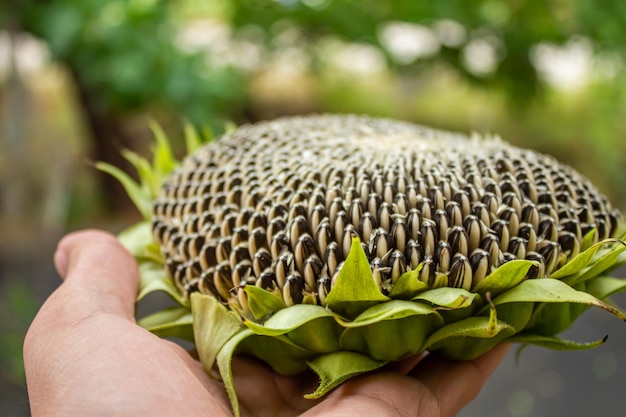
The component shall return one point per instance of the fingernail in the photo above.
(60, 262)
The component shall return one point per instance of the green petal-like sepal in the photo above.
(453, 304)
(285, 358)
(354, 289)
(148, 178)
(448, 298)
(408, 285)
(553, 342)
(171, 322)
(311, 327)
(153, 278)
(580, 261)
(554, 318)
(262, 304)
(140, 196)
(588, 239)
(283, 355)
(516, 315)
(338, 367)
(390, 331)
(562, 305)
(550, 319)
(285, 321)
(163, 160)
(550, 290)
(608, 260)
(602, 287)
(213, 326)
(469, 338)
(224, 355)
(505, 277)
(137, 239)
(193, 140)
(392, 310)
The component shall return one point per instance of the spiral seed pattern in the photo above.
(276, 205)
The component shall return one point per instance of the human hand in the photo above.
(85, 356)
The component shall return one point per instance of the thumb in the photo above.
(98, 269)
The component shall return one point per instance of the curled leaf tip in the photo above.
(461, 301)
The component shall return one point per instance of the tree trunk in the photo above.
(109, 138)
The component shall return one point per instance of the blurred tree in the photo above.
(123, 59)
(501, 35)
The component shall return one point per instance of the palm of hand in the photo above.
(84, 355)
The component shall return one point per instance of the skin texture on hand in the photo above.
(85, 356)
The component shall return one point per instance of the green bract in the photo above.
(341, 243)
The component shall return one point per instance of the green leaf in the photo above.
(149, 181)
(335, 368)
(140, 197)
(262, 303)
(152, 277)
(137, 238)
(548, 290)
(408, 285)
(171, 322)
(163, 158)
(230, 126)
(504, 277)
(283, 355)
(517, 315)
(602, 287)
(289, 319)
(588, 240)
(391, 310)
(453, 304)
(213, 326)
(448, 298)
(355, 289)
(391, 330)
(308, 326)
(153, 253)
(606, 261)
(207, 134)
(193, 142)
(225, 354)
(553, 342)
(550, 319)
(580, 261)
(469, 338)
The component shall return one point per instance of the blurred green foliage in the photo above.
(518, 27)
(125, 50)
(18, 303)
(124, 53)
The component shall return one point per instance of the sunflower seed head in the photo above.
(276, 205)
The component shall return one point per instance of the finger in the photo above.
(456, 383)
(404, 366)
(263, 392)
(99, 270)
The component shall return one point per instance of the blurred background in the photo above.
(81, 79)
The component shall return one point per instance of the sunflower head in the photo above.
(344, 242)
